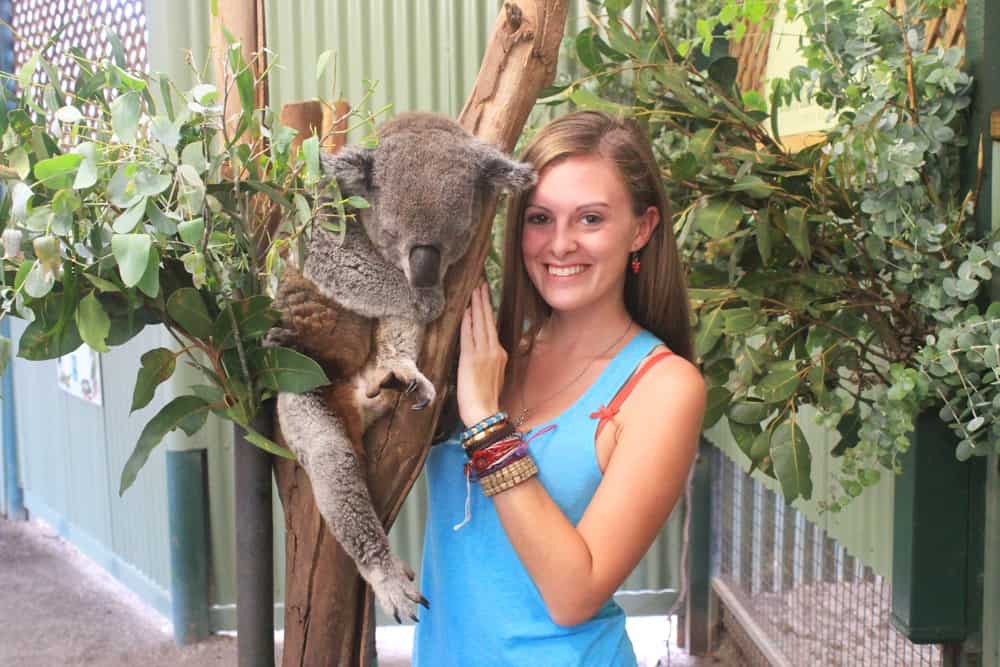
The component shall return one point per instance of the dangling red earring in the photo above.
(636, 264)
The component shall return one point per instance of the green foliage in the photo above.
(846, 276)
(155, 211)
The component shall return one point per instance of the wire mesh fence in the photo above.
(811, 601)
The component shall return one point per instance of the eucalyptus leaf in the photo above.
(285, 370)
(187, 308)
(131, 251)
(58, 172)
(149, 284)
(165, 131)
(765, 241)
(310, 155)
(587, 52)
(797, 229)
(38, 344)
(192, 232)
(778, 385)
(121, 188)
(723, 71)
(718, 218)
(157, 365)
(170, 417)
(792, 461)
(93, 323)
(150, 183)
(163, 223)
(190, 190)
(39, 281)
(254, 318)
(125, 116)
(715, 409)
(267, 444)
(586, 99)
(708, 331)
(126, 222)
(194, 156)
(749, 412)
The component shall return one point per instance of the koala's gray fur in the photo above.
(360, 305)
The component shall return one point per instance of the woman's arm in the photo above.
(577, 568)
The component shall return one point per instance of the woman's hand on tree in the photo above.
(482, 361)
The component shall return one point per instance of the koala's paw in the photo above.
(403, 376)
(394, 588)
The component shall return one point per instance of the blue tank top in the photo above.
(484, 608)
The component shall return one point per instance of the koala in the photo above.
(359, 307)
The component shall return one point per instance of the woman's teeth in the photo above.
(566, 270)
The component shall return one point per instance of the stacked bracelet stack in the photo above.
(498, 455)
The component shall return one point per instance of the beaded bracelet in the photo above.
(483, 425)
(509, 476)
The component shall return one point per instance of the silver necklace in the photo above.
(525, 410)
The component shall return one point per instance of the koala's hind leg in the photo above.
(322, 443)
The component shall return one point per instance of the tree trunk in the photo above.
(328, 619)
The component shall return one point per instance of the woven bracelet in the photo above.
(509, 476)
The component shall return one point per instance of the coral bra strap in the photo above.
(607, 413)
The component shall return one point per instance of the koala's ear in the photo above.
(501, 172)
(352, 167)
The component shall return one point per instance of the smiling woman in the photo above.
(595, 316)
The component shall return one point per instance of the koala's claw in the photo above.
(423, 601)
(401, 377)
(394, 588)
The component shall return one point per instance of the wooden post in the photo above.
(327, 609)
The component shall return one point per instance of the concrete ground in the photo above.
(57, 608)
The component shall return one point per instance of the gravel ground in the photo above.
(57, 608)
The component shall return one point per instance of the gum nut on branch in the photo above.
(12, 244)
(47, 250)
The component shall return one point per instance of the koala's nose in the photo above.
(425, 266)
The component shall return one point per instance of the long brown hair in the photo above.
(656, 298)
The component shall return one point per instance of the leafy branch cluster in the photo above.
(158, 210)
(846, 276)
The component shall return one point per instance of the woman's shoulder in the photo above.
(667, 378)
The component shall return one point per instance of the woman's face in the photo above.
(579, 229)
